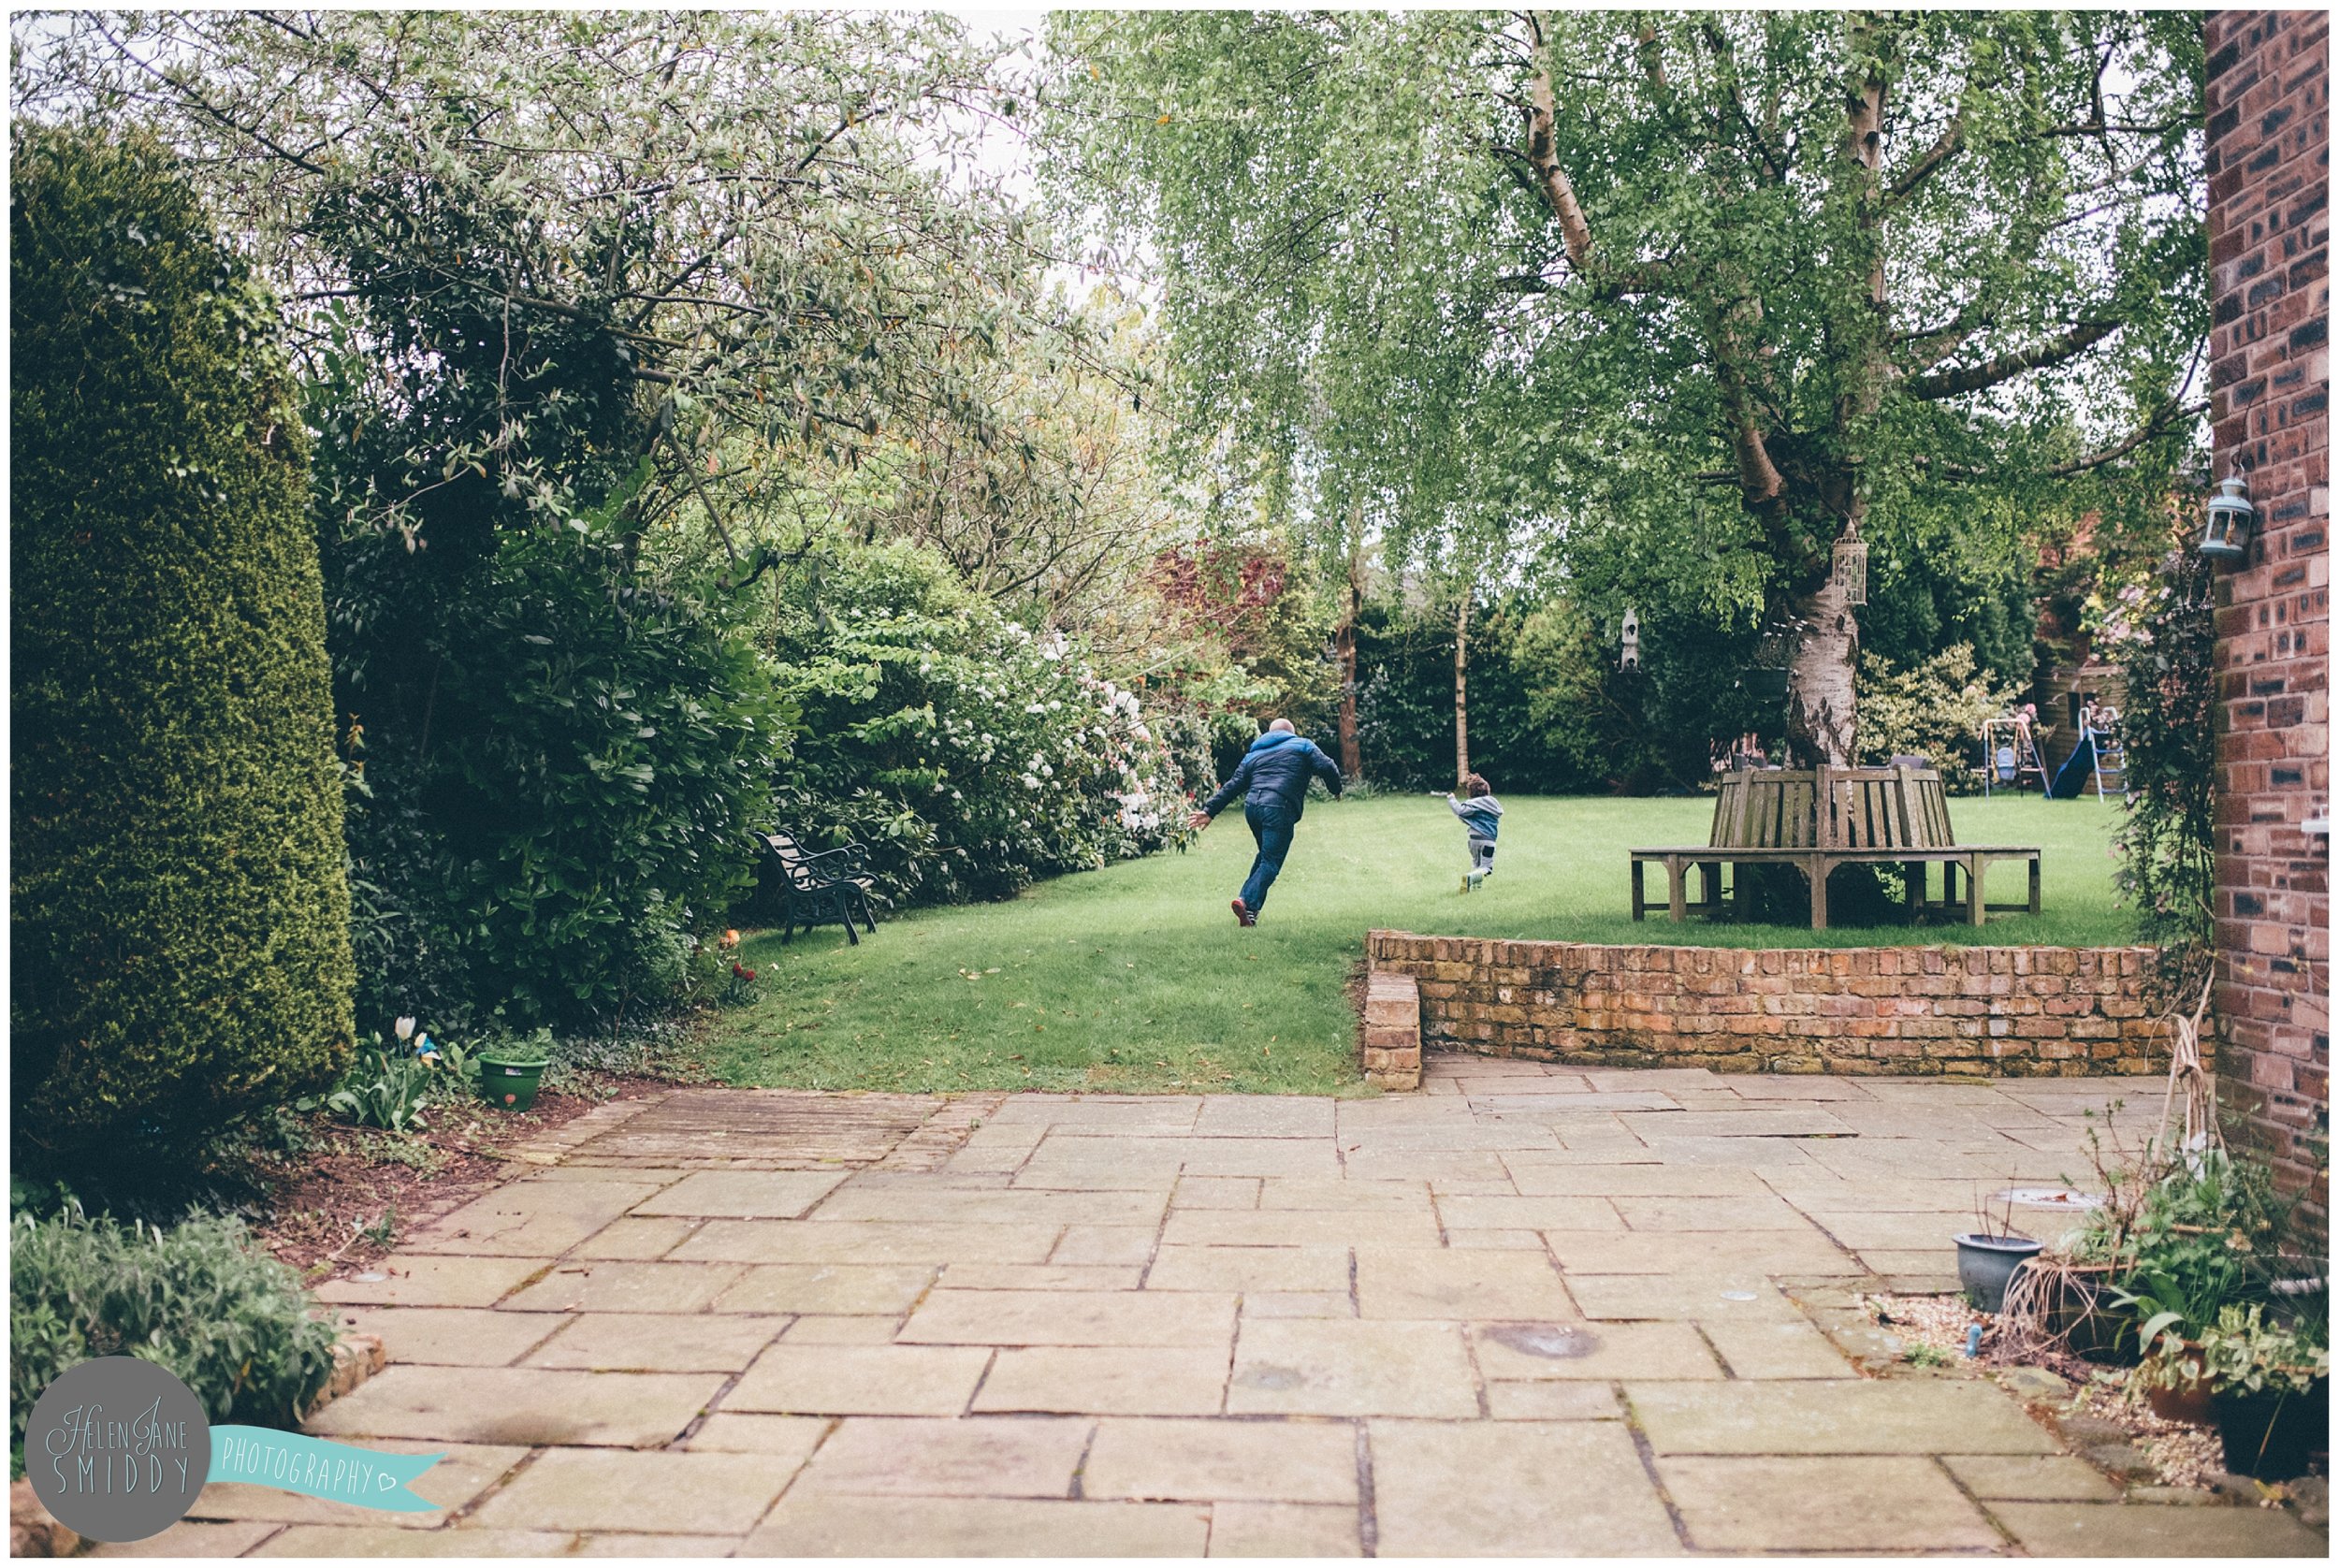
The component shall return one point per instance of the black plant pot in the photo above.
(1986, 1264)
(2081, 1315)
(2274, 1434)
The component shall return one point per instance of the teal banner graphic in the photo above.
(316, 1468)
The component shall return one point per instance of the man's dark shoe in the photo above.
(1242, 915)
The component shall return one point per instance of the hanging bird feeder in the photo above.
(1630, 660)
(2226, 537)
(1851, 565)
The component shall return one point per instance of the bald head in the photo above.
(1280, 727)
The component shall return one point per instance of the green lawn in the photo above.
(1137, 977)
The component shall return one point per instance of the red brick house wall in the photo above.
(2269, 166)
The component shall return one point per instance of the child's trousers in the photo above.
(1481, 853)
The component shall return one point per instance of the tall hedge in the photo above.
(179, 913)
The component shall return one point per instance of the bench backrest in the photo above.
(790, 855)
(1832, 808)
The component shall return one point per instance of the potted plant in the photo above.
(2270, 1389)
(510, 1070)
(1988, 1255)
(2169, 1375)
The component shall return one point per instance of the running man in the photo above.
(1274, 784)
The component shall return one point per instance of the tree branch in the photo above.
(1951, 143)
(2005, 367)
(1558, 195)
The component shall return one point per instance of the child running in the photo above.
(1481, 814)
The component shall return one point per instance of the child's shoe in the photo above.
(1474, 881)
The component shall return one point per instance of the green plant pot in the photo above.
(511, 1085)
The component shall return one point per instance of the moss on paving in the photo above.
(1136, 977)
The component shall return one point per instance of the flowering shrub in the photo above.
(1932, 710)
(969, 754)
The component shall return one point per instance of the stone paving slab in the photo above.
(194, 1538)
(2108, 1529)
(1528, 1311)
(828, 1288)
(463, 1472)
(420, 1280)
(583, 1488)
(861, 1380)
(1256, 1461)
(744, 1195)
(526, 1405)
(1284, 1530)
(1445, 1285)
(451, 1336)
(1332, 1367)
(980, 1455)
(1114, 1380)
(1515, 1489)
(531, 1219)
(316, 1539)
(817, 1525)
(1072, 1317)
(1914, 1416)
(656, 1342)
(1841, 1504)
(2031, 1479)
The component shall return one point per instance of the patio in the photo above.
(1528, 1311)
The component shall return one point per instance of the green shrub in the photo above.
(231, 1322)
(180, 913)
(1933, 710)
(968, 754)
(575, 812)
(2161, 633)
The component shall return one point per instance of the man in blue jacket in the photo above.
(1274, 784)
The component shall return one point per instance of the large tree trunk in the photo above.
(1345, 649)
(1461, 692)
(1820, 712)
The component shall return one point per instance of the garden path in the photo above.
(1527, 1311)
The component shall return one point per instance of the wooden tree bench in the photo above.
(1819, 820)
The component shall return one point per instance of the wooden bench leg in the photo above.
(1640, 899)
(1949, 886)
(1710, 887)
(1912, 888)
(2034, 884)
(1675, 874)
(1820, 870)
(1975, 865)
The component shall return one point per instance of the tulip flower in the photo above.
(406, 1028)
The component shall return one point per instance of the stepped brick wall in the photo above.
(2269, 166)
(2004, 1013)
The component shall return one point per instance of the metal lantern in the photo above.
(1851, 565)
(1631, 659)
(2226, 537)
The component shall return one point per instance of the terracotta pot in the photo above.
(2185, 1402)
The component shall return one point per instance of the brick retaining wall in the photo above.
(2002, 1011)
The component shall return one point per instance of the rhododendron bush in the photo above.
(966, 752)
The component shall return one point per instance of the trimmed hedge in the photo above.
(180, 913)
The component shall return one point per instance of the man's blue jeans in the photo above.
(1272, 825)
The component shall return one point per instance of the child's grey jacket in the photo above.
(1482, 816)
